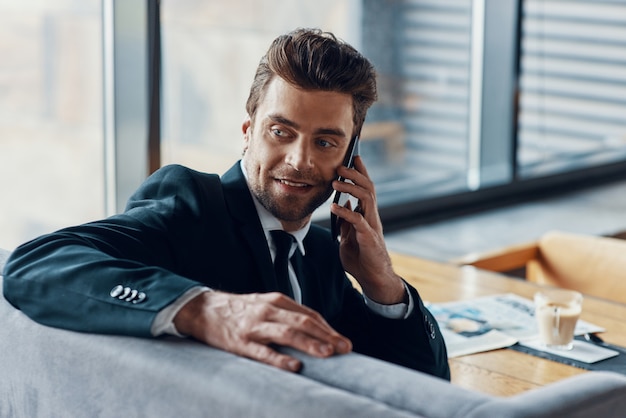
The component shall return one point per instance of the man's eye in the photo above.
(324, 144)
(278, 132)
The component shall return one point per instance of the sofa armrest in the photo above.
(593, 394)
(589, 394)
(397, 386)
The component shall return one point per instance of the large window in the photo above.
(415, 137)
(50, 117)
(474, 95)
(479, 100)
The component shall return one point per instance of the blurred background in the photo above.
(481, 103)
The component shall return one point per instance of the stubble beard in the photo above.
(287, 207)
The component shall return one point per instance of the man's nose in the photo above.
(299, 155)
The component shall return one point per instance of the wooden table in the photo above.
(502, 372)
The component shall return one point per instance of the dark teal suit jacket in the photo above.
(181, 229)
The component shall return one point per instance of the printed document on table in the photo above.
(490, 322)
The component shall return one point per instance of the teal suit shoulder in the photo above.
(65, 278)
(177, 233)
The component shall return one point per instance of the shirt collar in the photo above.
(270, 223)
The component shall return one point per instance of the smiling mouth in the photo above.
(293, 184)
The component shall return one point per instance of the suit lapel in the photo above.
(245, 217)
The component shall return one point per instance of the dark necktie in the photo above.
(282, 241)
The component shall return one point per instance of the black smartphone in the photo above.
(342, 198)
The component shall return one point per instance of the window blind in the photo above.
(434, 56)
(572, 85)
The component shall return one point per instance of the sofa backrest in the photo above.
(54, 372)
(47, 371)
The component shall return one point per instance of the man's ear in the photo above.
(247, 131)
(245, 126)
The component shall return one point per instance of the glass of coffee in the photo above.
(557, 311)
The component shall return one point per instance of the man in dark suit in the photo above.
(192, 255)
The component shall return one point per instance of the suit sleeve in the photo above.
(114, 275)
(415, 342)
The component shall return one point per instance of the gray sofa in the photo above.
(46, 372)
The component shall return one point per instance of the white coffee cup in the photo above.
(557, 311)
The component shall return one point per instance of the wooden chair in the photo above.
(592, 265)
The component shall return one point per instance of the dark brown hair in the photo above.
(310, 59)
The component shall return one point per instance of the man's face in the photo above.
(293, 148)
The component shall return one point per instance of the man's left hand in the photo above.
(362, 245)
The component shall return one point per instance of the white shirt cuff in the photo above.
(396, 311)
(164, 321)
